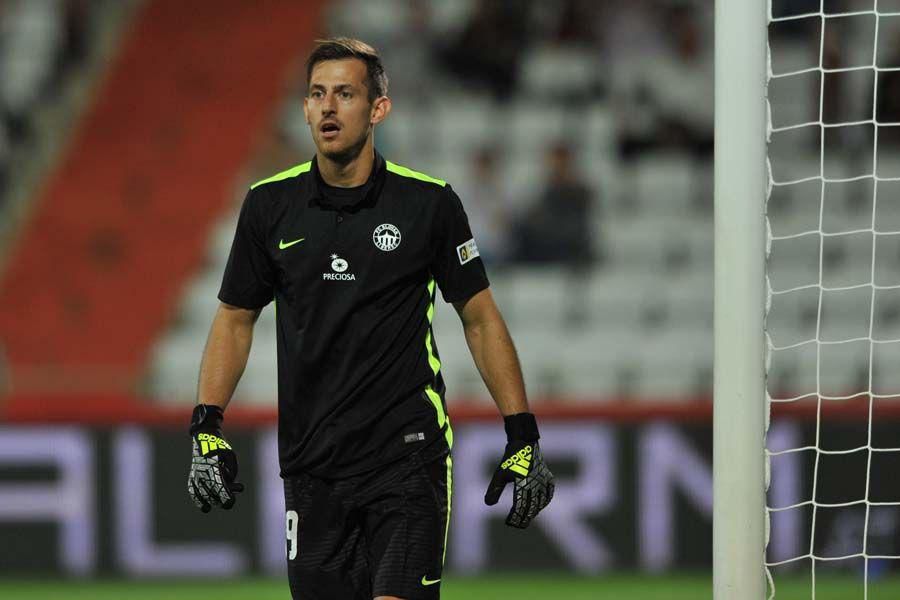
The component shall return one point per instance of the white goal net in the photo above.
(833, 296)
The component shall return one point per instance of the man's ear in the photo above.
(380, 110)
(306, 109)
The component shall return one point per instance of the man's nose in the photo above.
(328, 104)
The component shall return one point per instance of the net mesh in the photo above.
(833, 288)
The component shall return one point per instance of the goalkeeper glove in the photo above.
(214, 465)
(523, 464)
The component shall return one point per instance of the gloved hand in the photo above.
(214, 465)
(523, 464)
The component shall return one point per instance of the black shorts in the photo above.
(381, 533)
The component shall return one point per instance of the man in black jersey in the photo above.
(352, 247)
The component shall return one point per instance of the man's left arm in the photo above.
(493, 352)
(495, 357)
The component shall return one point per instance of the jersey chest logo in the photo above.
(386, 237)
(339, 267)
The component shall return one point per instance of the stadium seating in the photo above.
(638, 324)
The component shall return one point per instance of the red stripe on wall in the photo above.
(121, 223)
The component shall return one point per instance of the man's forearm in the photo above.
(224, 358)
(495, 357)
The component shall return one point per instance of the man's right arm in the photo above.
(247, 286)
(226, 353)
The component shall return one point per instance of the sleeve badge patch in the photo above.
(467, 251)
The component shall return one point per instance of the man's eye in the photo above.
(345, 95)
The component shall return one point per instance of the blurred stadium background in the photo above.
(579, 135)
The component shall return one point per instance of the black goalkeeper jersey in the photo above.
(353, 278)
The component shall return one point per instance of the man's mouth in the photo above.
(329, 129)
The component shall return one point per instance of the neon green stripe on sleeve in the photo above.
(405, 172)
(292, 172)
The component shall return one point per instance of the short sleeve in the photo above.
(249, 276)
(456, 265)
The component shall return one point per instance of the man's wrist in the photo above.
(521, 426)
(208, 418)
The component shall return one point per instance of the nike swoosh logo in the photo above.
(282, 245)
(429, 581)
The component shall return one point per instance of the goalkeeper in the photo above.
(352, 247)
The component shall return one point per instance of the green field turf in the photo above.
(524, 587)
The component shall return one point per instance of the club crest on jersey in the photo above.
(339, 267)
(386, 237)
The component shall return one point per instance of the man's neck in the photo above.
(351, 174)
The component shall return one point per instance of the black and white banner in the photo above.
(82, 501)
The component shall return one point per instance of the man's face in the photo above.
(338, 110)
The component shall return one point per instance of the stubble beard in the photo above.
(347, 154)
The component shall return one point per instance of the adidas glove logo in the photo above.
(520, 462)
(210, 443)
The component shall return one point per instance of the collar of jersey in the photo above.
(373, 187)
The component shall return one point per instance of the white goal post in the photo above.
(739, 371)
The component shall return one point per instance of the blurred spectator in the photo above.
(630, 32)
(411, 54)
(801, 27)
(561, 65)
(575, 23)
(835, 101)
(489, 206)
(888, 109)
(566, 22)
(76, 30)
(40, 40)
(30, 41)
(676, 88)
(490, 47)
(4, 162)
(832, 90)
(557, 230)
